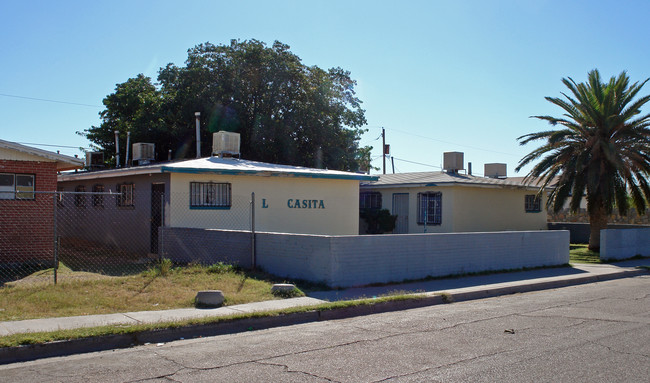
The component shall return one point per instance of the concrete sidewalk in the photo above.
(455, 289)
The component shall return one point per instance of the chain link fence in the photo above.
(69, 235)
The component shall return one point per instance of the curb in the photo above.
(111, 342)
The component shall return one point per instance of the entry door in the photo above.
(157, 196)
(401, 210)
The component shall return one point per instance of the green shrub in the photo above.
(296, 292)
(379, 221)
(161, 268)
(221, 268)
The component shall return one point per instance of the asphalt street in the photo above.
(590, 332)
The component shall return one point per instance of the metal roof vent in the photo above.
(225, 143)
(144, 152)
(453, 162)
(496, 170)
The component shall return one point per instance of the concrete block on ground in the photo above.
(282, 287)
(211, 298)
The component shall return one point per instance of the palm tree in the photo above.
(602, 150)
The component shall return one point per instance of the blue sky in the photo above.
(437, 75)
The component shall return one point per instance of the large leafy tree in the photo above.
(134, 107)
(285, 111)
(601, 150)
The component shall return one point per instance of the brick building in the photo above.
(28, 179)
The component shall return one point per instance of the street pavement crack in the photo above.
(474, 358)
(612, 349)
(288, 370)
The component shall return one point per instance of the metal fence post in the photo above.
(426, 213)
(161, 239)
(253, 260)
(56, 239)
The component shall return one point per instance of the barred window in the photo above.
(80, 199)
(16, 186)
(370, 200)
(533, 203)
(98, 199)
(430, 208)
(210, 194)
(126, 197)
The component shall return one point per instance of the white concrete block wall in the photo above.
(394, 258)
(627, 243)
(297, 256)
(359, 260)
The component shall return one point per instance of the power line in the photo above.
(48, 100)
(55, 146)
(449, 142)
(417, 163)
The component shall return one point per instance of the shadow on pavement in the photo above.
(443, 284)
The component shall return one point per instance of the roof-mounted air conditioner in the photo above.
(453, 162)
(225, 143)
(94, 160)
(495, 170)
(144, 152)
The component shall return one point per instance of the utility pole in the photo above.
(383, 147)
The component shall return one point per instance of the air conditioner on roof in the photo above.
(144, 152)
(225, 143)
(453, 162)
(94, 160)
(495, 170)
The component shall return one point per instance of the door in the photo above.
(157, 197)
(401, 210)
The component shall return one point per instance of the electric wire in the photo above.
(449, 142)
(48, 100)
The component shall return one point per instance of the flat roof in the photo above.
(216, 165)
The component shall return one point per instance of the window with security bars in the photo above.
(533, 203)
(16, 186)
(210, 195)
(430, 208)
(370, 200)
(98, 199)
(80, 199)
(126, 197)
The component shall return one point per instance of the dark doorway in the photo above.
(157, 197)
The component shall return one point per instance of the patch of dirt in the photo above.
(46, 277)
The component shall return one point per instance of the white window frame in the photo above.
(432, 203)
(127, 195)
(16, 191)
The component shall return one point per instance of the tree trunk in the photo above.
(597, 222)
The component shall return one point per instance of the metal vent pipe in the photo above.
(198, 134)
(117, 149)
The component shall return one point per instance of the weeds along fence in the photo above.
(59, 236)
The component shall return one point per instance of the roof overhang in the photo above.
(450, 184)
(268, 173)
(63, 162)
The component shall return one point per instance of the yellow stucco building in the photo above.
(448, 202)
(208, 193)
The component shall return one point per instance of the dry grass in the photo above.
(84, 293)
